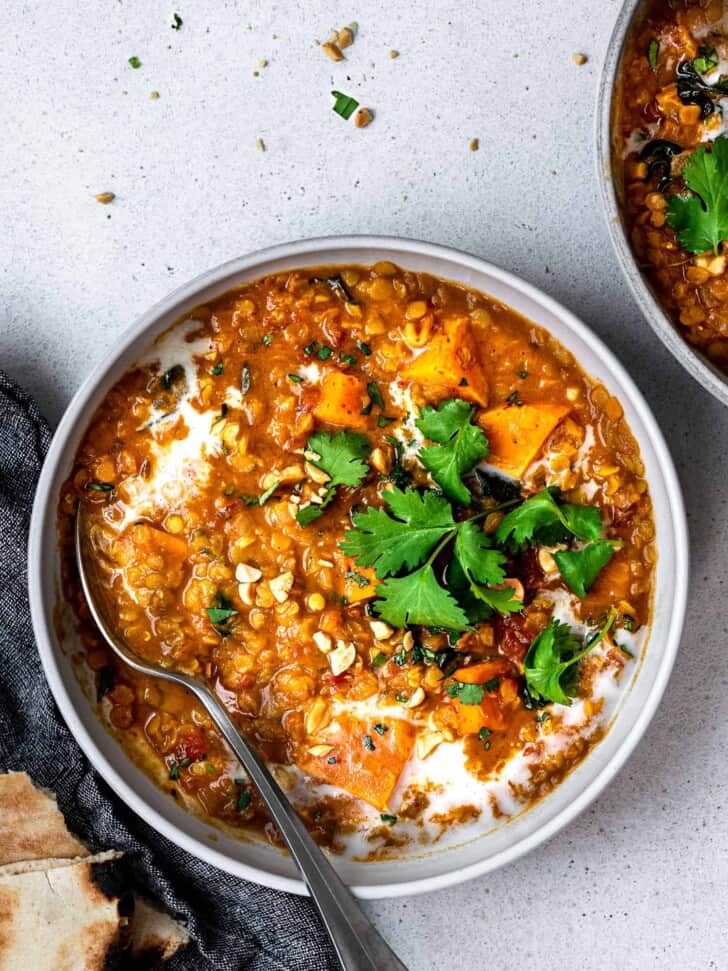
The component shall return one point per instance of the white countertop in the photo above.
(639, 881)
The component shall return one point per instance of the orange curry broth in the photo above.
(168, 567)
(692, 288)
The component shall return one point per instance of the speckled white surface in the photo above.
(640, 880)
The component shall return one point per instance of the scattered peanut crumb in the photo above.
(332, 51)
(362, 118)
(260, 145)
(474, 144)
(263, 63)
(256, 74)
(154, 95)
(105, 198)
(345, 38)
(394, 54)
(579, 59)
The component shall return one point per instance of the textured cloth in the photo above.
(232, 924)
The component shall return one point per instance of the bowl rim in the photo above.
(77, 411)
(694, 362)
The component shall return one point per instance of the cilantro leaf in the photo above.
(580, 568)
(340, 456)
(467, 694)
(653, 51)
(550, 665)
(461, 445)
(478, 560)
(344, 104)
(503, 601)
(419, 599)
(389, 543)
(701, 220)
(542, 513)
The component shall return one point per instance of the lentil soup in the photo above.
(397, 529)
(669, 143)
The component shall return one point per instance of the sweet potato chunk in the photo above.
(471, 718)
(367, 764)
(343, 398)
(516, 435)
(450, 366)
(483, 671)
(355, 590)
(611, 586)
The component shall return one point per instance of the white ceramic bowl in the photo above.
(436, 869)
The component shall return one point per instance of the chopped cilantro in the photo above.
(296, 378)
(467, 694)
(388, 818)
(99, 486)
(368, 743)
(375, 394)
(379, 660)
(176, 21)
(653, 50)
(267, 340)
(344, 104)
(309, 348)
(347, 359)
(135, 62)
(492, 685)
(174, 771)
(218, 369)
(332, 760)
(364, 348)
(324, 353)
(265, 496)
(380, 729)
(243, 800)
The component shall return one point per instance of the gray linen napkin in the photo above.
(234, 925)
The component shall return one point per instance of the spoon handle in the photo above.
(358, 944)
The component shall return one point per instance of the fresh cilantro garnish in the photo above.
(344, 104)
(542, 717)
(528, 522)
(324, 353)
(296, 378)
(707, 60)
(99, 486)
(265, 496)
(401, 698)
(551, 662)
(467, 694)
(364, 348)
(375, 394)
(341, 457)
(461, 445)
(174, 771)
(221, 611)
(379, 660)
(388, 818)
(476, 569)
(580, 568)
(218, 369)
(492, 685)
(390, 543)
(135, 62)
(653, 49)
(381, 729)
(176, 21)
(368, 743)
(332, 760)
(267, 340)
(701, 220)
(243, 800)
(419, 599)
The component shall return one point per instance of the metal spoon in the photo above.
(357, 942)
